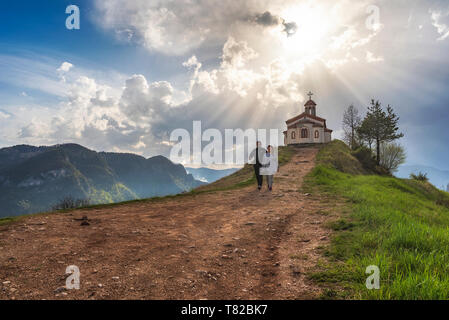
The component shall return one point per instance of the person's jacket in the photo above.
(256, 156)
(269, 164)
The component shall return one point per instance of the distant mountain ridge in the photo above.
(33, 179)
(210, 175)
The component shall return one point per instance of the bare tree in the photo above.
(351, 122)
(392, 155)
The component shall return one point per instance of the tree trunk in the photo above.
(378, 151)
(352, 138)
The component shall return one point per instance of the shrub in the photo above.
(392, 155)
(419, 177)
(70, 203)
(442, 200)
(366, 158)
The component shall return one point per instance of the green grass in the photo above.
(9, 220)
(4, 221)
(400, 225)
(338, 156)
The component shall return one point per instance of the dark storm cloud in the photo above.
(290, 28)
(267, 19)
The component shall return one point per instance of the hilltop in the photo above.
(327, 219)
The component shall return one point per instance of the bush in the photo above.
(392, 155)
(70, 203)
(366, 158)
(419, 177)
(442, 200)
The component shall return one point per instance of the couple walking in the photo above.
(265, 164)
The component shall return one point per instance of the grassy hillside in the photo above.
(399, 225)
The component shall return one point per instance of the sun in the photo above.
(312, 36)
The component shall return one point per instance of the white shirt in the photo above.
(271, 160)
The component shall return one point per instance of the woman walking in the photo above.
(270, 166)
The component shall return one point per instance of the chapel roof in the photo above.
(303, 115)
(310, 103)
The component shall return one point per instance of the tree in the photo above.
(351, 121)
(392, 155)
(364, 131)
(379, 127)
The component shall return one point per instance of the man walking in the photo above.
(258, 155)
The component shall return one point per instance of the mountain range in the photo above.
(35, 179)
(210, 175)
(438, 177)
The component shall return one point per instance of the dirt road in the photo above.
(237, 244)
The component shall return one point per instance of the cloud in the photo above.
(143, 102)
(290, 28)
(267, 19)
(35, 129)
(440, 21)
(170, 27)
(196, 28)
(237, 53)
(4, 115)
(65, 67)
(33, 72)
(370, 58)
(178, 27)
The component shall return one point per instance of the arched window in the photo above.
(317, 134)
(293, 135)
(304, 133)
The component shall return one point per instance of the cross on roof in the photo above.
(310, 94)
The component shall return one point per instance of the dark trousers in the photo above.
(270, 181)
(258, 176)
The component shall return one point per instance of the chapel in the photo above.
(307, 127)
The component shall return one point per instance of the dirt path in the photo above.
(237, 244)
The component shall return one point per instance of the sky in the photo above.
(138, 69)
